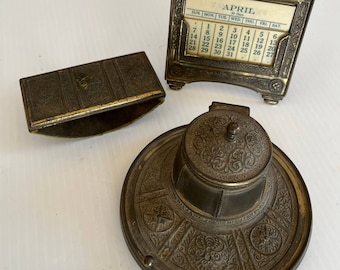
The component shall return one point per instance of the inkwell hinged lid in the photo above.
(215, 194)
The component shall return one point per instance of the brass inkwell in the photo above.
(215, 194)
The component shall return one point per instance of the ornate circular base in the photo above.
(164, 233)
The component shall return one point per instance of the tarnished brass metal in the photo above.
(251, 43)
(215, 194)
(93, 98)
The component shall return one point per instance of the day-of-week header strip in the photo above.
(235, 19)
(246, 12)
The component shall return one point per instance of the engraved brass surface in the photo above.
(248, 43)
(216, 194)
(93, 98)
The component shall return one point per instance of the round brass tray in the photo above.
(163, 233)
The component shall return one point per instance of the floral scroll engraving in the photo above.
(208, 252)
(266, 239)
(224, 159)
(158, 218)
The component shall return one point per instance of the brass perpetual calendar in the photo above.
(251, 43)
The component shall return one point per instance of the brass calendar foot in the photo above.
(271, 100)
(175, 85)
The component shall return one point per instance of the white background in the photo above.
(59, 199)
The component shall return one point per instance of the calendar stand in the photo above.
(248, 43)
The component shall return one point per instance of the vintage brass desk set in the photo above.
(215, 194)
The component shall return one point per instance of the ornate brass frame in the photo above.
(270, 81)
